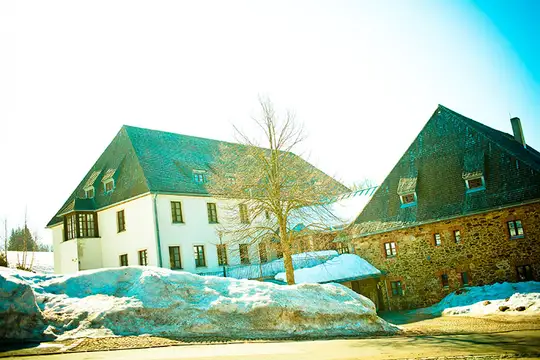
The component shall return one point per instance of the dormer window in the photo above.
(108, 186)
(408, 200)
(89, 192)
(475, 184)
(199, 176)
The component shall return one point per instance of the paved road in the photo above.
(515, 342)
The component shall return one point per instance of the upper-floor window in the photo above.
(80, 225)
(475, 184)
(408, 200)
(89, 192)
(176, 212)
(457, 236)
(212, 213)
(86, 225)
(244, 216)
(397, 288)
(244, 253)
(174, 257)
(437, 239)
(198, 254)
(108, 185)
(199, 176)
(143, 257)
(390, 249)
(120, 221)
(222, 254)
(444, 280)
(515, 229)
(123, 260)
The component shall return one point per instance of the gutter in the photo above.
(158, 239)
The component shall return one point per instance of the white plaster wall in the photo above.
(89, 251)
(195, 231)
(139, 233)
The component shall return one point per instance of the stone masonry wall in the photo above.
(486, 252)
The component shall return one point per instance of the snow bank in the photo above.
(346, 266)
(161, 302)
(43, 262)
(523, 298)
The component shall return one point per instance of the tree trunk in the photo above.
(287, 257)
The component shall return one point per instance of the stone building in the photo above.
(460, 208)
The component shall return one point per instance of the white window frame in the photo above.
(105, 186)
(404, 204)
(480, 188)
(87, 189)
(195, 175)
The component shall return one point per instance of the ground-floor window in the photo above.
(262, 253)
(123, 260)
(444, 280)
(198, 254)
(464, 279)
(342, 248)
(397, 288)
(174, 256)
(222, 254)
(524, 273)
(143, 257)
(244, 254)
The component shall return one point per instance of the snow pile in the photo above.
(43, 262)
(522, 298)
(346, 266)
(161, 302)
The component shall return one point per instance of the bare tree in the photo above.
(28, 245)
(278, 195)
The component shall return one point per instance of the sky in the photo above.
(363, 77)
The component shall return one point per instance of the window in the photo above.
(464, 279)
(524, 273)
(176, 212)
(108, 185)
(244, 254)
(71, 227)
(87, 226)
(397, 288)
(244, 217)
(222, 254)
(437, 239)
(408, 199)
(198, 253)
(123, 260)
(390, 249)
(457, 236)
(515, 229)
(444, 280)
(475, 184)
(143, 257)
(199, 176)
(231, 179)
(279, 253)
(89, 193)
(174, 256)
(262, 253)
(212, 213)
(120, 221)
(342, 248)
(267, 214)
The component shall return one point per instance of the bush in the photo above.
(3, 260)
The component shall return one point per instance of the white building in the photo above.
(144, 202)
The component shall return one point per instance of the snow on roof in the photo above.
(345, 267)
(139, 300)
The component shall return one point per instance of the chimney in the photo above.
(518, 131)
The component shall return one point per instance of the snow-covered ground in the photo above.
(507, 298)
(346, 266)
(42, 262)
(155, 301)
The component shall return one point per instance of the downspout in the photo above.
(158, 240)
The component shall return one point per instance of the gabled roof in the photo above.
(449, 149)
(143, 160)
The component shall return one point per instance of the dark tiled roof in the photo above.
(142, 160)
(449, 148)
